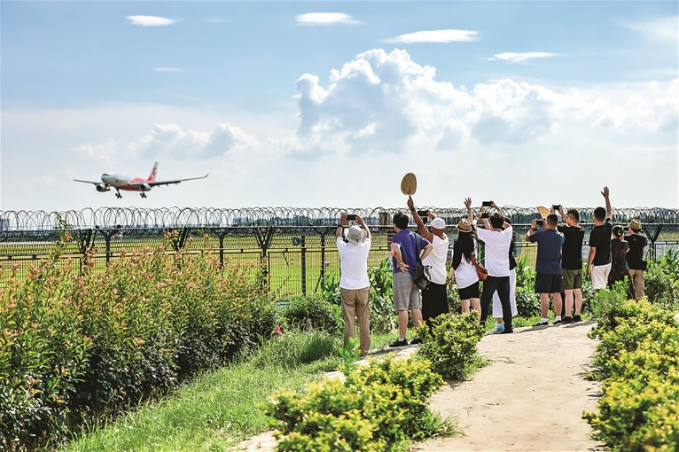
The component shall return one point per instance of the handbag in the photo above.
(422, 276)
(480, 270)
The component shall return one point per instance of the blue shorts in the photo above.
(545, 283)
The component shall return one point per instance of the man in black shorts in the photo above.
(571, 263)
(547, 265)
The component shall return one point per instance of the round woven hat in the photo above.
(464, 225)
(409, 184)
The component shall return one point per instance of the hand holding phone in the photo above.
(540, 222)
(487, 203)
(351, 217)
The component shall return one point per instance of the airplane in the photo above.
(128, 183)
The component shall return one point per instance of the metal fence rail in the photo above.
(298, 246)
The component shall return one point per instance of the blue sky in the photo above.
(330, 103)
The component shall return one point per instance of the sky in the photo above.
(329, 104)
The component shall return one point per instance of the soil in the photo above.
(530, 397)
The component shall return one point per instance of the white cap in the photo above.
(438, 223)
(355, 234)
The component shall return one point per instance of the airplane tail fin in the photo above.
(152, 176)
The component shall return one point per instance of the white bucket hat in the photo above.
(355, 234)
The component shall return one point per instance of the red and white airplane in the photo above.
(129, 183)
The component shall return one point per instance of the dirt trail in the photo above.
(530, 398)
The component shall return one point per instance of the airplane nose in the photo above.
(106, 178)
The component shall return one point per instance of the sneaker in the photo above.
(417, 340)
(499, 328)
(557, 322)
(577, 318)
(399, 343)
(566, 320)
(507, 331)
(545, 323)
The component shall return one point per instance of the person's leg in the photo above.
(544, 305)
(503, 292)
(512, 292)
(417, 317)
(465, 306)
(428, 300)
(348, 313)
(415, 306)
(363, 314)
(476, 304)
(638, 281)
(489, 288)
(578, 300)
(402, 324)
(402, 287)
(568, 301)
(557, 304)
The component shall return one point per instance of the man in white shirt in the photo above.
(497, 242)
(353, 245)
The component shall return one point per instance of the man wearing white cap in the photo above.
(434, 297)
(353, 245)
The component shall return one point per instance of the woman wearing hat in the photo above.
(434, 297)
(462, 268)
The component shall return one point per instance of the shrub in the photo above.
(527, 301)
(449, 343)
(380, 406)
(313, 312)
(381, 297)
(662, 280)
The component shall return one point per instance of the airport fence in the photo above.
(296, 247)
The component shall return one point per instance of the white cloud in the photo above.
(662, 29)
(168, 69)
(385, 103)
(103, 151)
(150, 21)
(438, 36)
(520, 57)
(326, 19)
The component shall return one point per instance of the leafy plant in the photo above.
(381, 297)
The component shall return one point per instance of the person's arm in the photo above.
(399, 258)
(468, 205)
(427, 250)
(592, 253)
(609, 210)
(340, 226)
(533, 227)
(424, 232)
(451, 275)
(496, 207)
(361, 223)
(561, 212)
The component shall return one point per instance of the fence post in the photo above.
(303, 243)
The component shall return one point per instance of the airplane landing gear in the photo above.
(142, 194)
(118, 195)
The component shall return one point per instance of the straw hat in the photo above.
(355, 234)
(464, 225)
(635, 225)
(409, 184)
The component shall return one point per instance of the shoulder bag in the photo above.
(480, 269)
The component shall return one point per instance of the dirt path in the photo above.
(530, 398)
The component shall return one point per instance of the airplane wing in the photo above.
(167, 182)
(88, 181)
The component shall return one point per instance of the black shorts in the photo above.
(545, 283)
(469, 292)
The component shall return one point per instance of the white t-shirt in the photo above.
(465, 274)
(437, 260)
(353, 264)
(497, 250)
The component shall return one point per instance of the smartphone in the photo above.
(422, 213)
(556, 207)
(487, 203)
(351, 217)
(540, 222)
(485, 215)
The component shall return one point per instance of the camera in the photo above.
(351, 217)
(540, 222)
(487, 203)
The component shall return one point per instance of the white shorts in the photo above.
(600, 276)
(497, 306)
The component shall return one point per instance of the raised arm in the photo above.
(424, 232)
(496, 207)
(609, 210)
(340, 226)
(361, 223)
(470, 214)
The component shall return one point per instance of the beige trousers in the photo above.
(356, 303)
(637, 277)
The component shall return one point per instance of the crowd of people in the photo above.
(613, 256)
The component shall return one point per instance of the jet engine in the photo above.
(103, 188)
(145, 187)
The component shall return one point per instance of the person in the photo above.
(497, 242)
(619, 268)
(462, 269)
(353, 245)
(635, 256)
(406, 246)
(599, 261)
(571, 265)
(497, 305)
(547, 265)
(434, 297)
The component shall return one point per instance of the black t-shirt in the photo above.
(571, 251)
(512, 261)
(635, 256)
(600, 238)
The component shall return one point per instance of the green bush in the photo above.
(378, 407)
(381, 298)
(662, 280)
(449, 343)
(527, 301)
(79, 348)
(313, 312)
(639, 357)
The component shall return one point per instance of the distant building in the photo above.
(4, 224)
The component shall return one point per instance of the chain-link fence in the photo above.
(296, 246)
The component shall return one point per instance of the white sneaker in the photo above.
(499, 328)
